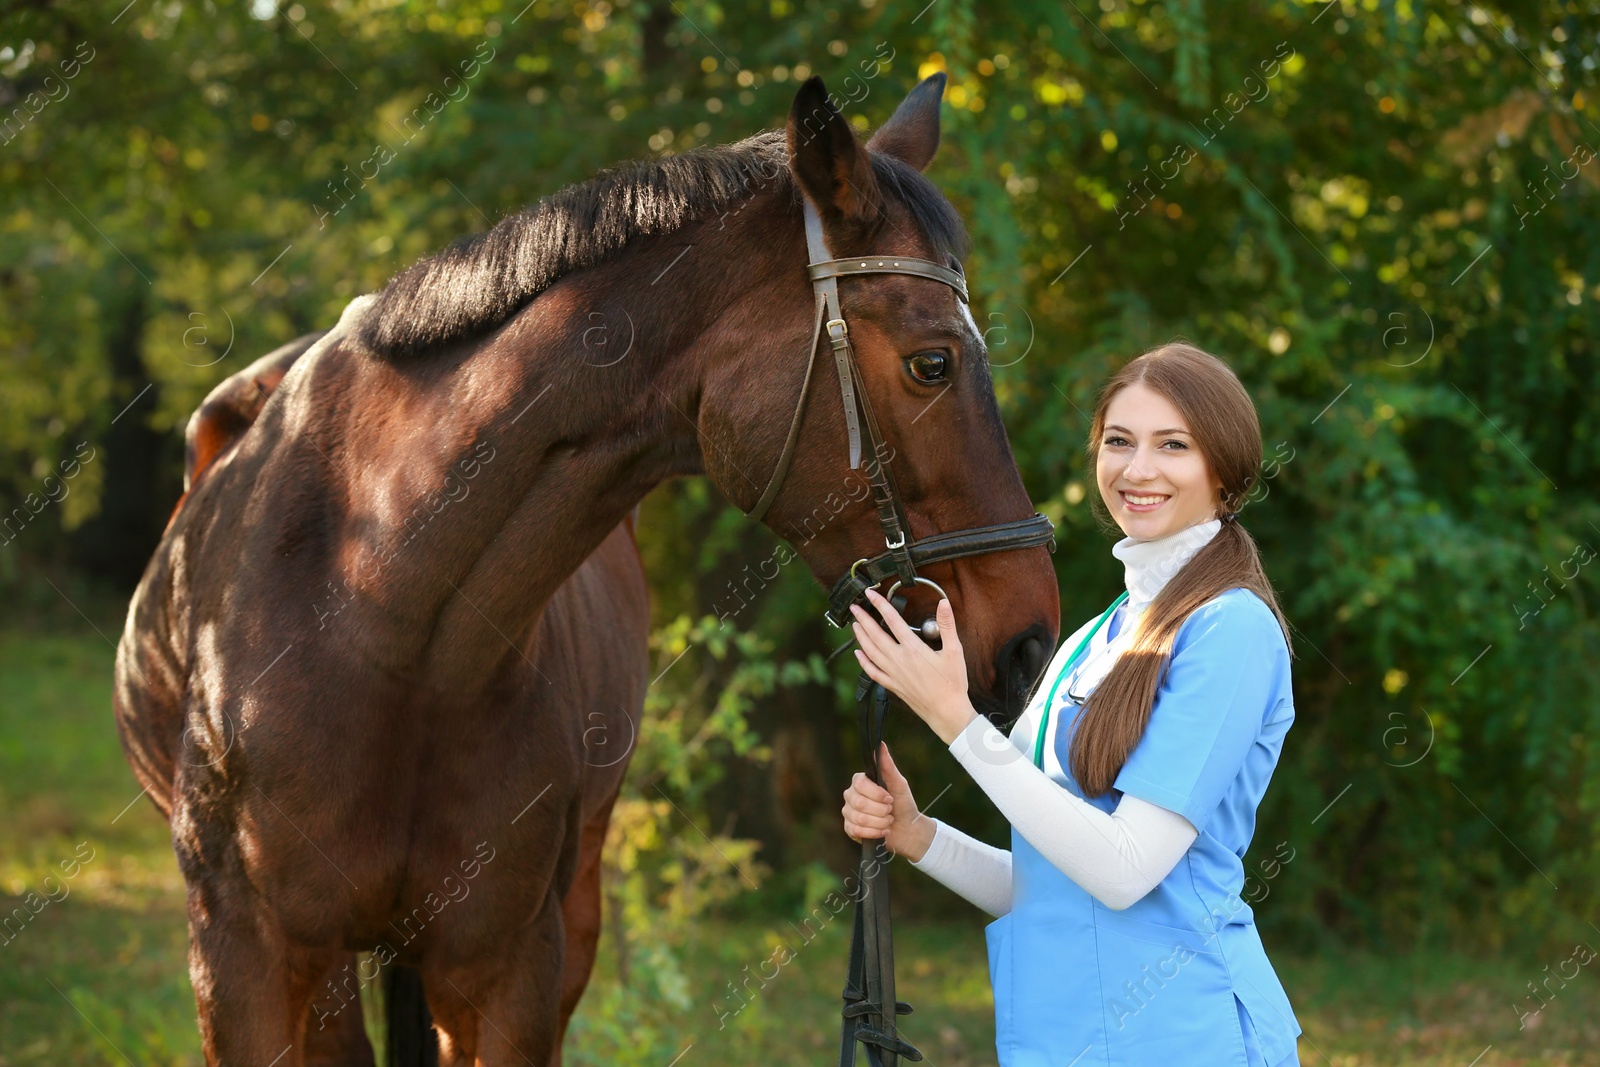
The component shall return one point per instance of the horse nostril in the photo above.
(1019, 665)
(1028, 662)
(1033, 656)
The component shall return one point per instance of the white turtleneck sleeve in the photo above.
(1116, 856)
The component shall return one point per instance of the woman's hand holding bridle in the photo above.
(933, 684)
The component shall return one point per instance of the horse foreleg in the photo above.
(582, 913)
(503, 1012)
(336, 1034)
(252, 988)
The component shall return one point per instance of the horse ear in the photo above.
(831, 165)
(912, 132)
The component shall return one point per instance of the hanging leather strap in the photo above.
(870, 1006)
(792, 438)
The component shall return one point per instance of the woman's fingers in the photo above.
(880, 655)
(869, 655)
(860, 805)
(870, 794)
(857, 817)
(945, 616)
(897, 626)
(872, 671)
(870, 636)
(860, 823)
(868, 809)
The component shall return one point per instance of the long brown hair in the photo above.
(1223, 421)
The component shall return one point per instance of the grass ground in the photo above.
(97, 975)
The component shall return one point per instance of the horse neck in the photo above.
(567, 416)
(616, 371)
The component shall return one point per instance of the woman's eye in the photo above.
(928, 367)
(1115, 442)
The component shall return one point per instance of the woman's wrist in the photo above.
(960, 715)
(918, 838)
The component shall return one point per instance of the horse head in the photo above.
(921, 363)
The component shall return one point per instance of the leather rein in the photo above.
(870, 1006)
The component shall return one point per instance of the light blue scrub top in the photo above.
(1180, 977)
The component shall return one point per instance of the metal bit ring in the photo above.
(930, 626)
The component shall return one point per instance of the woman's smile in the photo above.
(1143, 501)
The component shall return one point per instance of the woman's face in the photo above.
(1153, 477)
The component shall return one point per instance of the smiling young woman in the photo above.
(1149, 469)
(1122, 934)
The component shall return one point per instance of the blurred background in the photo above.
(1383, 214)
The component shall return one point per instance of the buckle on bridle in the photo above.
(852, 577)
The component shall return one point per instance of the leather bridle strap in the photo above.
(866, 574)
(902, 555)
(786, 457)
(825, 275)
(836, 268)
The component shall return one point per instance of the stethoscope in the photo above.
(1044, 712)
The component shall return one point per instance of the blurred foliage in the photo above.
(1383, 215)
(663, 873)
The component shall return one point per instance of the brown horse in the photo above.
(583, 608)
(342, 755)
(610, 580)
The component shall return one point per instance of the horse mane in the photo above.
(479, 281)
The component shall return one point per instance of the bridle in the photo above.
(902, 555)
(870, 1006)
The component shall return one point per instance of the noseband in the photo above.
(902, 555)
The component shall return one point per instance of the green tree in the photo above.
(1382, 215)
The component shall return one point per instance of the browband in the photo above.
(834, 268)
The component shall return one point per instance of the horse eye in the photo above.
(928, 367)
